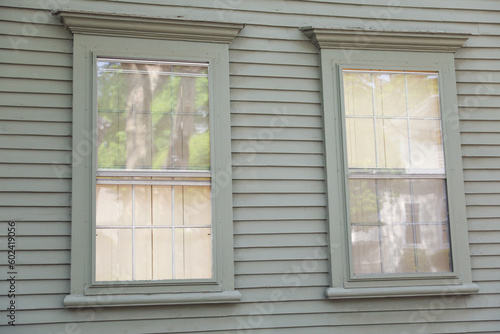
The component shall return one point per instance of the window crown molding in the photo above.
(119, 25)
(360, 39)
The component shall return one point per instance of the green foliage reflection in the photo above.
(152, 116)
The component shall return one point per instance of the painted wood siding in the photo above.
(281, 267)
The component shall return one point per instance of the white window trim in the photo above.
(392, 51)
(111, 35)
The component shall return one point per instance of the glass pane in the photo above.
(360, 138)
(394, 201)
(358, 93)
(139, 87)
(113, 205)
(143, 254)
(363, 201)
(112, 144)
(162, 205)
(197, 206)
(153, 254)
(366, 250)
(113, 255)
(433, 248)
(398, 257)
(426, 144)
(162, 254)
(139, 140)
(423, 95)
(390, 94)
(429, 201)
(193, 253)
(392, 143)
(193, 206)
(199, 144)
(201, 101)
(142, 210)
(152, 115)
(162, 134)
(190, 143)
(164, 96)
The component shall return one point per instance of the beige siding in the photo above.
(281, 266)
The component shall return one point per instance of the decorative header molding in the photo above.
(384, 40)
(90, 23)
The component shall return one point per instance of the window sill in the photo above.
(76, 301)
(410, 291)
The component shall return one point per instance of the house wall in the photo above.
(280, 226)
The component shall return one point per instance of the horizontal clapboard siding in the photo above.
(279, 193)
(35, 154)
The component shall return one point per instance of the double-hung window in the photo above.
(396, 200)
(151, 198)
(153, 180)
(396, 178)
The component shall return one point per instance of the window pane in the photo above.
(429, 197)
(162, 205)
(113, 205)
(398, 256)
(112, 144)
(153, 254)
(394, 201)
(390, 95)
(363, 201)
(190, 142)
(392, 143)
(360, 142)
(366, 256)
(426, 144)
(423, 96)
(162, 254)
(358, 92)
(113, 255)
(143, 254)
(193, 253)
(192, 206)
(433, 248)
(142, 209)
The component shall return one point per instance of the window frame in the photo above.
(109, 36)
(360, 49)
